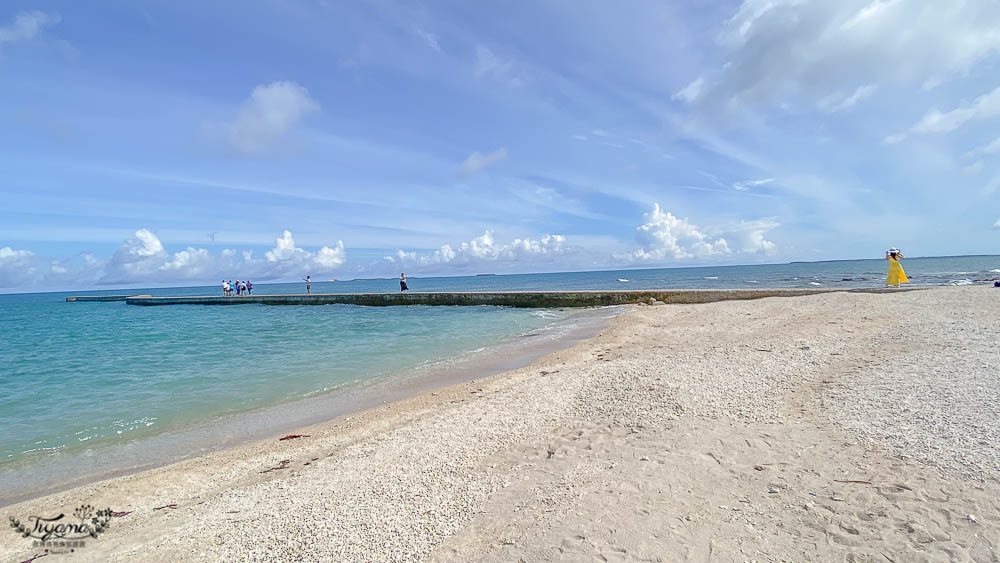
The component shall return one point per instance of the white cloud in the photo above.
(554, 200)
(142, 258)
(747, 184)
(268, 115)
(664, 236)
(837, 102)
(997, 224)
(490, 65)
(8, 253)
(974, 168)
(869, 12)
(690, 92)
(893, 139)
(484, 250)
(985, 106)
(477, 162)
(992, 187)
(15, 266)
(747, 237)
(430, 38)
(779, 50)
(992, 147)
(285, 252)
(26, 25)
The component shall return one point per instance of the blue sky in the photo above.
(160, 143)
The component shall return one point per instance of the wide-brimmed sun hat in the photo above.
(894, 250)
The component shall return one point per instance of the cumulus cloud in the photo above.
(477, 162)
(15, 266)
(142, 258)
(26, 25)
(268, 115)
(663, 236)
(777, 50)
(324, 259)
(997, 224)
(747, 237)
(484, 250)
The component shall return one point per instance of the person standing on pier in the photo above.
(249, 287)
(308, 286)
(402, 283)
(225, 288)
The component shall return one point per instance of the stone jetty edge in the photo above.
(524, 299)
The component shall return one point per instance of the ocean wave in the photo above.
(623, 280)
(960, 282)
(543, 314)
(711, 277)
(815, 283)
(995, 270)
(753, 281)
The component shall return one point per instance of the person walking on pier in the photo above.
(308, 286)
(402, 283)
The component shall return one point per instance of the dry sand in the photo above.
(836, 427)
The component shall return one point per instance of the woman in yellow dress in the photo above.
(896, 273)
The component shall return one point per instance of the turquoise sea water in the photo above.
(77, 377)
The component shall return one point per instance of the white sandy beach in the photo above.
(835, 427)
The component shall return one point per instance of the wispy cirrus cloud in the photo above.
(839, 102)
(477, 162)
(747, 184)
(993, 147)
(26, 25)
(764, 40)
(490, 65)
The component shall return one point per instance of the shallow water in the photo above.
(78, 378)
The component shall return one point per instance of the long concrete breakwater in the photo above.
(497, 298)
(101, 298)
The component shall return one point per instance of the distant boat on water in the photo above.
(623, 280)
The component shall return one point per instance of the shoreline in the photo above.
(677, 431)
(238, 429)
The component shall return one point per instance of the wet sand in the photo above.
(835, 427)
